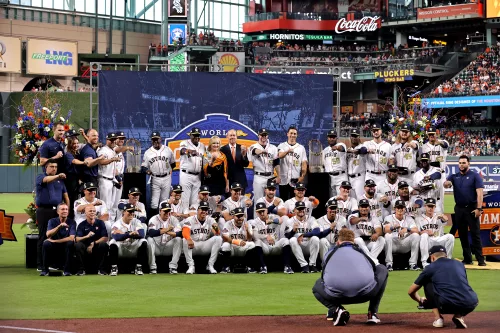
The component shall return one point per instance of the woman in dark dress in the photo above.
(215, 168)
(73, 170)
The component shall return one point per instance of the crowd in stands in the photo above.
(485, 142)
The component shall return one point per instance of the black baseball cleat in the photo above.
(44, 273)
(263, 270)
(482, 264)
(250, 270)
(313, 269)
(459, 322)
(288, 270)
(225, 270)
(305, 269)
(372, 318)
(331, 315)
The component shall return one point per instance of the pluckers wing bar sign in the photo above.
(394, 75)
(365, 24)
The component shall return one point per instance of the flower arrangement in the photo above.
(33, 126)
(31, 222)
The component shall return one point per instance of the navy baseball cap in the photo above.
(120, 134)
(155, 135)
(238, 211)
(300, 186)
(346, 184)
(363, 203)
(263, 131)
(89, 186)
(204, 205)
(236, 186)
(399, 204)
(376, 126)
(424, 156)
(165, 206)
(403, 184)
(332, 203)
(271, 183)
(260, 206)
(431, 130)
(300, 205)
(370, 183)
(430, 202)
(405, 128)
(203, 189)
(437, 248)
(111, 136)
(355, 132)
(332, 133)
(393, 167)
(195, 131)
(71, 132)
(177, 189)
(129, 207)
(134, 190)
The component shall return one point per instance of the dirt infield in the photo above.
(402, 322)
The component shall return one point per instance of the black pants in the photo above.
(286, 192)
(433, 302)
(142, 254)
(98, 255)
(465, 222)
(374, 296)
(72, 186)
(43, 215)
(58, 255)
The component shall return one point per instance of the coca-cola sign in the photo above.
(365, 24)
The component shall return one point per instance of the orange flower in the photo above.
(37, 136)
(30, 114)
(46, 121)
(22, 130)
(428, 126)
(29, 134)
(410, 113)
(66, 127)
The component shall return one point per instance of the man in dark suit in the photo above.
(237, 160)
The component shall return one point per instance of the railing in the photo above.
(309, 16)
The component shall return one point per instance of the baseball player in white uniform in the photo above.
(237, 236)
(165, 238)
(274, 204)
(89, 199)
(377, 157)
(438, 151)
(214, 204)
(266, 229)
(334, 161)
(401, 236)
(293, 164)
(367, 231)
(404, 154)
(191, 166)
(107, 172)
(330, 225)
(345, 204)
(134, 195)
(119, 170)
(356, 164)
(128, 241)
(303, 233)
(201, 237)
(428, 182)
(158, 162)
(310, 202)
(431, 227)
(376, 200)
(264, 157)
(179, 209)
(389, 189)
(236, 200)
(413, 203)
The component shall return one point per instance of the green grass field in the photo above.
(25, 295)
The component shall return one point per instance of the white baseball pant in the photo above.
(191, 186)
(117, 195)
(358, 186)
(395, 244)
(370, 248)
(127, 249)
(309, 247)
(324, 246)
(426, 242)
(440, 203)
(236, 250)
(171, 248)
(275, 249)
(209, 247)
(259, 185)
(106, 193)
(335, 184)
(378, 179)
(160, 190)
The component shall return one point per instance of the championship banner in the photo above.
(394, 75)
(10, 54)
(455, 10)
(51, 57)
(176, 31)
(177, 8)
(229, 61)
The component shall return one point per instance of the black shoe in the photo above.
(482, 264)
(44, 273)
(331, 315)
(467, 262)
(101, 272)
(80, 273)
(313, 269)
(342, 317)
(305, 269)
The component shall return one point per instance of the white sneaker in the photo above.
(138, 270)
(425, 264)
(438, 323)
(114, 270)
(190, 270)
(211, 269)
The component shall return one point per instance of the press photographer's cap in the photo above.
(436, 249)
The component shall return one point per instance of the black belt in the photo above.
(47, 206)
(336, 173)
(161, 176)
(377, 172)
(265, 174)
(355, 175)
(191, 173)
(106, 178)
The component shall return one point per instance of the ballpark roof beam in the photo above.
(146, 8)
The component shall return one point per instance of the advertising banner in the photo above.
(346, 74)
(51, 57)
(394, 75)
(180, 59)
(10, 54)
(177, 8)
(462, 102)
(444, 11)
(176, 31)
(229, 61)
(492, 9)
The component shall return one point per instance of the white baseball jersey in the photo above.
(179, 208)
(356, 163)
(410, 210)
(261, 230)
(377, 161)
(263, 162)
(140, 206)
(290, 206)
(200, 231)
(267, 203)
(364, 228)
(229, 204)
(394, 222)
(436, 153)
(375, 206)
(212, 204)
(108, 171)
(324, 224)
(433, 223)
(156, 223)
(100, 209)
(158, 161)
(405, 157)
(232, 231)
(391, 192)
(347, 207)
(418, 181)
(305, 226)
(291, 164)
(120, 165)
(334, 160)
(192, 163)
(134, 225)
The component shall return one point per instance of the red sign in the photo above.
(367, 23)
(456, 10)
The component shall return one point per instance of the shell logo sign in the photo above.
(230, 62)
